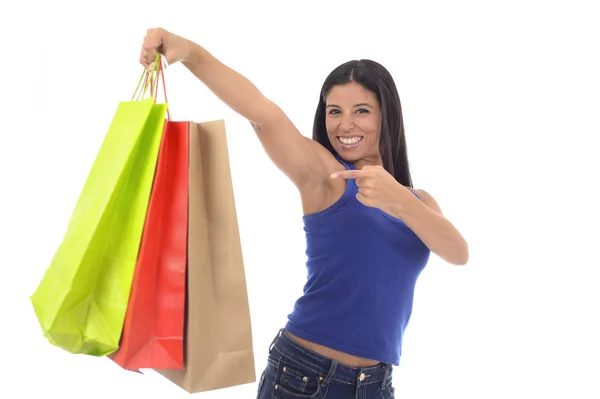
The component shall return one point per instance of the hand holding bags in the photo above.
(153, 246)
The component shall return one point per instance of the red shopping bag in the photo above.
(153, 333)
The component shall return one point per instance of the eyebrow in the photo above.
(354, 106)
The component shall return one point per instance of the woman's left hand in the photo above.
(377, 188)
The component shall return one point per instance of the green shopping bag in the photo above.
(82, 298)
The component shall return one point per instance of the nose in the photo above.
(346, 123)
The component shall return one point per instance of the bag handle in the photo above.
(150, 81)
(145, 75)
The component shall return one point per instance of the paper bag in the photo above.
(82, 298)
(218, 343)
(153, 333)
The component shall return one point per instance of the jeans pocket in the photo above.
(295, 381)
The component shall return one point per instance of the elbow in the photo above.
(461, 255)
(462, 261)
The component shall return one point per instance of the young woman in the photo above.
(369, 234)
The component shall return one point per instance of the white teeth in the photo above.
(350, 140)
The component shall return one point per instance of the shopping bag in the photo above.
(82, 298)
(153, 331)
(218, 336)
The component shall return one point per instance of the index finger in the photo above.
(347, 174)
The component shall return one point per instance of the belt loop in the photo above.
(385, 377)
(275, 339)
(329, 375)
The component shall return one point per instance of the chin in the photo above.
(349, 156)
(350, 152)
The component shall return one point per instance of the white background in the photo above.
(501, 103)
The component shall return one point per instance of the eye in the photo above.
(362, 111)
(334, 112)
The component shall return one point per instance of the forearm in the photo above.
(436, 232)
(229, 86)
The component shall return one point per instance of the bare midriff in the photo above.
(342, 357)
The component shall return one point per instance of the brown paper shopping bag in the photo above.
(218, 343)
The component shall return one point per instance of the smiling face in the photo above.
(353, 123)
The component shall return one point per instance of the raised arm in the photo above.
(297, 156)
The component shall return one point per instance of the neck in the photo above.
(368, 161)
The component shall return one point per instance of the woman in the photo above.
(369, 233)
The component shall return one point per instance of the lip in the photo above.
(349, 146)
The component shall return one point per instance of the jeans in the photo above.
(295, 372)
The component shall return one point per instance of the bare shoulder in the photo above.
(428, 200)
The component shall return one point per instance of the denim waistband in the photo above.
(330, 369)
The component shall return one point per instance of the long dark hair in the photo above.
(376, 78)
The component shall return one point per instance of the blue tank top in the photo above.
(363, 265)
